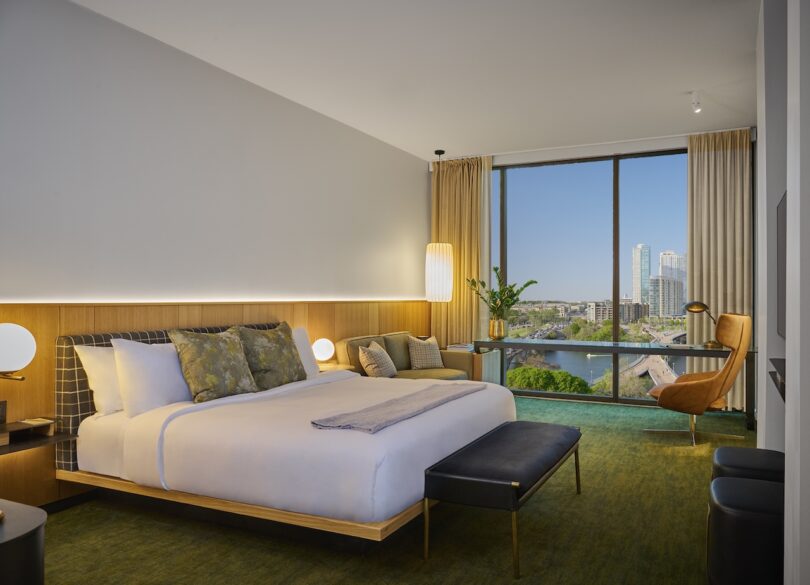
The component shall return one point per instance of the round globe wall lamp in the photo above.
(17, 349)
(323, 349)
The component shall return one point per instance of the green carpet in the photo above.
(641, 519)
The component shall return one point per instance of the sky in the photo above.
(559, 223)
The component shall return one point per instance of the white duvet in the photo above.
(261, 448)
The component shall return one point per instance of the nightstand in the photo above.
(332, 366)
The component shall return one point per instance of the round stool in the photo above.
(22, 544)
(746, 523)
(748, 463)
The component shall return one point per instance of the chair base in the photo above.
(694, 433)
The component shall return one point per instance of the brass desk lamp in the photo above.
(696, 307)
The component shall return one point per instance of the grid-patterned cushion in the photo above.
(376, 362)
(425, 354)
(74, 400)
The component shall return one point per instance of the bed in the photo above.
(258, 454)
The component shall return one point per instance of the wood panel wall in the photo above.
(28, 476)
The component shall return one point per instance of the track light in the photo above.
(696, 107)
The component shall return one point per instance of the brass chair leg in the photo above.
(426, 513)
(576, 467)
(515, 549)
(692, 421)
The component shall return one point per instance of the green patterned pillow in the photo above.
(272, 355)
(213, 364)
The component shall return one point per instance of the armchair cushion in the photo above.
(396, 344)
(687, 397)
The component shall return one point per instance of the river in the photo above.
(591, 368)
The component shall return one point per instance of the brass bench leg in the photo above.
(515, 550)
(576, 466)
(426, 513)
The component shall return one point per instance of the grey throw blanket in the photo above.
(379, 416)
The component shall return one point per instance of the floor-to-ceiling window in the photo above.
(606, 240)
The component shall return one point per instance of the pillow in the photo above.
(149, 375)
(102, 377)
(376, 361)
(308, 360)
(424, 354)
(271, 355)
(214, 364)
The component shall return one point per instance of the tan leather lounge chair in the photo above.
(696, 393)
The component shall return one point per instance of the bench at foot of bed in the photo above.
(501, 470)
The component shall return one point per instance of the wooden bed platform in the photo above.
(369, 530)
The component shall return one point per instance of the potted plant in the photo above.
(499, 300)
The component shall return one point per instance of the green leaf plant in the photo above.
(501, 299)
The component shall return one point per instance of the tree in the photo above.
(532, 378)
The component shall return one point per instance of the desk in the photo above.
(622, 347)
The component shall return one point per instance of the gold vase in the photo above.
(497, 329)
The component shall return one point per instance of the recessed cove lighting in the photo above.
(696, 107)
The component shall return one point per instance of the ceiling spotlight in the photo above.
(696, 107)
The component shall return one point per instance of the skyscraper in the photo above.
(666, 296)
(641, 274)
(672, 265)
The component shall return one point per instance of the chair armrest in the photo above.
(459, 360)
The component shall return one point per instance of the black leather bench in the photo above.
(748, 463)
(501, 470)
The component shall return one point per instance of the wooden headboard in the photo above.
(29, 476)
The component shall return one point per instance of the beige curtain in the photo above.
(719, 258)
(460, 204)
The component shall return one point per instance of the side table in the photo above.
(22, 544)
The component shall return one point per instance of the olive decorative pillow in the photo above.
(272, 355)
(213, 364)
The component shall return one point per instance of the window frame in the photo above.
(616, 284)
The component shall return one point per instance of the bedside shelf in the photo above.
(34, 441)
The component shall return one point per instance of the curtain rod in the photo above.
(753, 130)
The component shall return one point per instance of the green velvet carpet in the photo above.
(641, 519)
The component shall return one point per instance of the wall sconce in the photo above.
(439, 273)
(323, 349)
(17, 349)
(696, 307)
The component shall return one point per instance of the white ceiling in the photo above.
(479, 77)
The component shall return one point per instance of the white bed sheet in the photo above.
(100, 446)
(262, 449)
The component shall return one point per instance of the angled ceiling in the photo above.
(478, 77)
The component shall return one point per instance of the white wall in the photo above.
(771, 180)
(132, 171)
(797, 419)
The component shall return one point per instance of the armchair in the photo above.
(694, 394)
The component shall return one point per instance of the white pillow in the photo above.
(149, 375)
(301, 339)
(102, 377)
